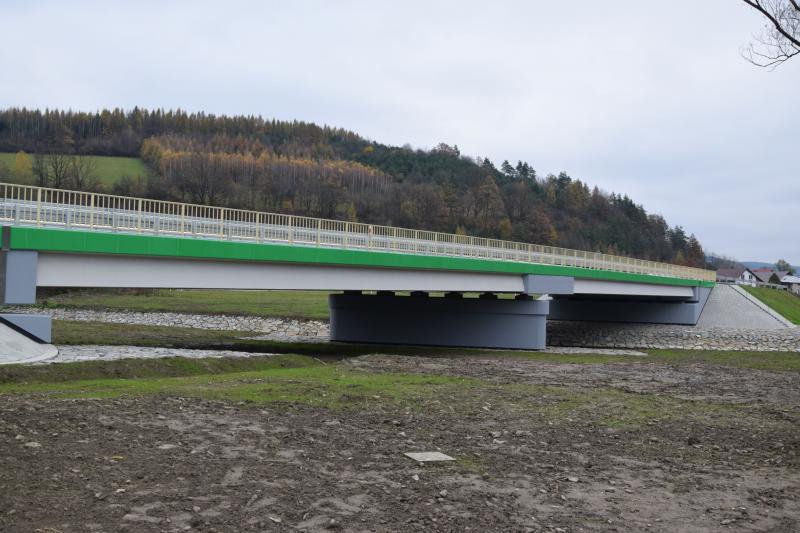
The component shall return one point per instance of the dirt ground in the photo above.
(539, 446)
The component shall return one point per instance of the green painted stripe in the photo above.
(57, 240)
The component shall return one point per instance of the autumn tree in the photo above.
(23, 168)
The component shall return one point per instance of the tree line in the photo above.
(218, 172)
(305, 169)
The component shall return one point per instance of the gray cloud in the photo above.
(650, 101)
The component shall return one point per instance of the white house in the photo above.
(741, 275)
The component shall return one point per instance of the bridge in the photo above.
(61, 238)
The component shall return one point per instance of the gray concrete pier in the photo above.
(485, 322)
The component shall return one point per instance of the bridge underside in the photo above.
(488, 321)
(356, 316)
(439, 321)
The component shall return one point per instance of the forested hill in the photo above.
(301, 168)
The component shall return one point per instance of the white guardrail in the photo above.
(37, 206)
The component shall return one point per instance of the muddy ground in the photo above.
(539, 446)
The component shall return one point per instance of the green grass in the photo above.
(147, 368)
(297, 380)
(783, 302)
(777, 361)
(330, 386)
(308, 305)
(108, 169)
(612, 407)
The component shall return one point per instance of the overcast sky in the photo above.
(644, 98)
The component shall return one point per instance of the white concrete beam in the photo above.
(84, 270)
(623, 288)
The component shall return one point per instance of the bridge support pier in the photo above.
(643, 310)
(450, 321)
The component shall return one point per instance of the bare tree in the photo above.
(83, 173)
(780, 38)
(58, 166)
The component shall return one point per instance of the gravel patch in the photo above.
(86, 352)
(657, 336)
(273, 328)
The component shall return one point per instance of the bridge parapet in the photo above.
(22, 205)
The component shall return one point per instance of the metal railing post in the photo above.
(319, 230)
(183, 218)
(38, 206)
(91, 212)
(291, 230)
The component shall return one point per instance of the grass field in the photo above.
(108, 170)
(307, 305)
(304, 379)
(788, 305)
(293, 379)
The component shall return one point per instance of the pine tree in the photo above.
(508, 170)
(694, 252)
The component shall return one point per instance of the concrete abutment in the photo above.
(18, 286)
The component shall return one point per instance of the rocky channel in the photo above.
(655, 336)
(267, 328)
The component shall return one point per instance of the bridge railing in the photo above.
(39, 206)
